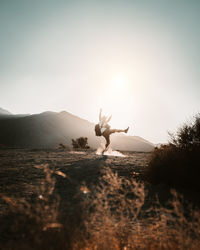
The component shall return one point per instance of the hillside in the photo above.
(4, 112)
(48, 129)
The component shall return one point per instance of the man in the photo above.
(103, 129)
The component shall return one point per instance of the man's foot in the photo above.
(103, 151)
(126, 130)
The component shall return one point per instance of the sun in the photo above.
(119, 81)
(119, 84)
(116, 91)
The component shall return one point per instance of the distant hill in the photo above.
(48, 129)
(4, 112)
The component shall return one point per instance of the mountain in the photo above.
(48, 129)
(4, 112)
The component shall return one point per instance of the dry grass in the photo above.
(31, 220)
(117, 219)
(113, 215)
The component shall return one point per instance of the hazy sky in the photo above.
(138, 60)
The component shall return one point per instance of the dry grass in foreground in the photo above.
(111, 215)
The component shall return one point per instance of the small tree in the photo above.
(81, 142)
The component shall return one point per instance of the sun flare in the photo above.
(119, 82)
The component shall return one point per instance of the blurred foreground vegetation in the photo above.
(111, 215)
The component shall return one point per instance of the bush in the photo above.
(177, 163)
(188, 136)
(81, 142)
(63, 147)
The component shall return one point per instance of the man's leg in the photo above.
(118, 130)
(107, 140)
(107, 134)
(107, 137)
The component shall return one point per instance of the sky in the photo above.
(136, 59)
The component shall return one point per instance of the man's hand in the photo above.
(109, 119)
(100, 114)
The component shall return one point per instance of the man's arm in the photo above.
(100, 114)
(109, 119)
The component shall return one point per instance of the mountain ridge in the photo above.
(48, 129)
(4, 112)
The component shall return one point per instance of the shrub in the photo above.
(81, 142)
(177, 163)
(188, 136)
(63, 147)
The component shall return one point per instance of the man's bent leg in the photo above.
(116, 131)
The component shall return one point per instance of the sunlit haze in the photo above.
(137, 60)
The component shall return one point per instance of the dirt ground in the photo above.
(21, 177)
(18, 175)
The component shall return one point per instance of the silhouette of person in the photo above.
(105, 129)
